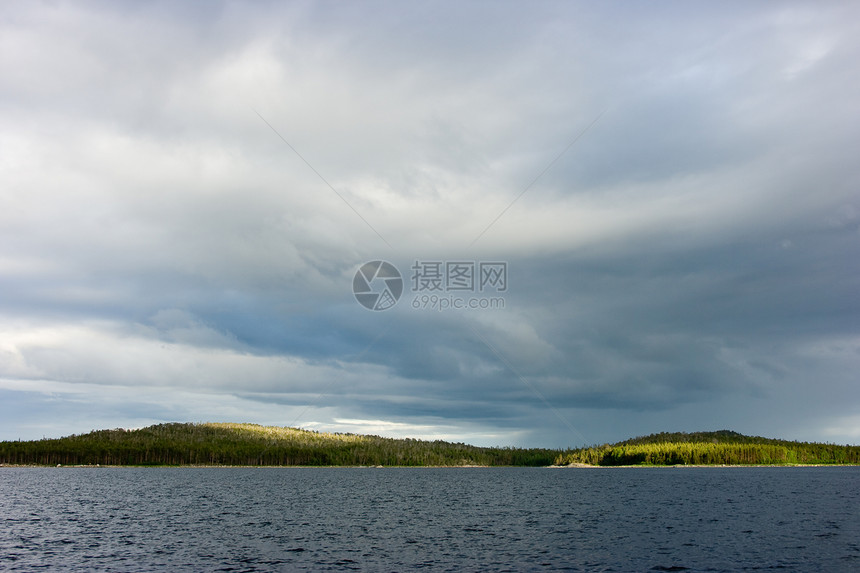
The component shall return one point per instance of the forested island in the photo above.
(710, 448)
(253, 445)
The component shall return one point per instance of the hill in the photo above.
(723, 447)
(253, 445)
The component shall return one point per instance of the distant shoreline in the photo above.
(251, 445)
(693, 466)
(570, 466)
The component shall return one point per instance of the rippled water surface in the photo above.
(398, 519)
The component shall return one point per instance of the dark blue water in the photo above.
(475, 519)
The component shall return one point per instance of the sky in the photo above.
(187, 191)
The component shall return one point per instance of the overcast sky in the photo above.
(187, 192)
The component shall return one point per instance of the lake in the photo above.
(433, 519)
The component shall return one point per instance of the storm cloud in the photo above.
(187, 191)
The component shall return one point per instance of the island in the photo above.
(229, 444)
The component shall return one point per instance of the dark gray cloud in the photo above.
(690, 263)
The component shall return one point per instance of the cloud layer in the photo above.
(187, 192)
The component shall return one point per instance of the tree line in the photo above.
(710, 448)
(253, 445)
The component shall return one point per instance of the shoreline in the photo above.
(678, 466)
(470, 466)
